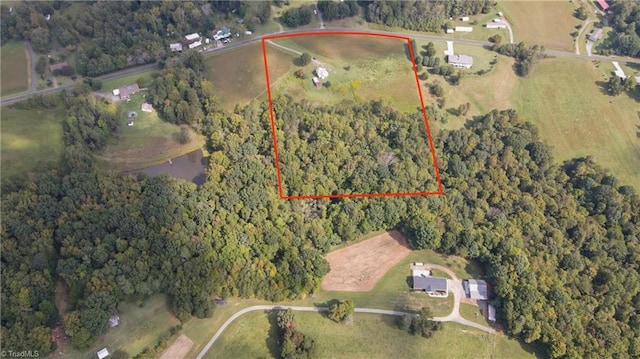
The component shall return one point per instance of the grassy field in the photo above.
(391, 292)
(140, 327)
(361, 68)
(370, 336)
(548, 23)
(14, 76)
(110, 85)
(469, 311)
(574, 115)
(30, 140)
(238, 75)
(148, 142)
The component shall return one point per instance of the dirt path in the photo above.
(32, 76)
(178, 349)
(579, 37)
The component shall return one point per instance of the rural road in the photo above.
(134, 70)
(322, 309)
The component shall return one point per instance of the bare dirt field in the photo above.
(178, 349)
(360, 266)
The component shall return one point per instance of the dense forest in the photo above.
(624, 18)
(365, 149)
(559, 242)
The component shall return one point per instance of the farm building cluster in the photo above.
(320, 74)
(195, 40)
(498, 23)
(475, 290)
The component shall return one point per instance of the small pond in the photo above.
(188, 167)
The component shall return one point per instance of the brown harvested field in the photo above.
(548, 23)
(14, 76)
(178, 349)
(238, 75)
(359, 267)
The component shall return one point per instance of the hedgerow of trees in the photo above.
(294, 344)
(526, 57)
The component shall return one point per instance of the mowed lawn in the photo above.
(361, 68)
(30, 140)
(575, 117)
(238, 75)
(148, 142)
(370, 336)
(14, 76)
(140, 327)
(548, 23)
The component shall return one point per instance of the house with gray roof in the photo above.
(460, 61)
(430, 285)
(595, 35)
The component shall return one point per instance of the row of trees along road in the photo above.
(559, 241)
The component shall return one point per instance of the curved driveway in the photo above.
(455, 286)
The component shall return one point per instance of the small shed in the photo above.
(316, 81)
(464, 18)
(146, 107)
(450, 31)
(175, 47)
(116, 92)
(491, 313)
(102, 353)
(114, 321)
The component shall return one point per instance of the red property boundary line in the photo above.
(424, 114)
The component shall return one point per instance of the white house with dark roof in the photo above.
(460, 61)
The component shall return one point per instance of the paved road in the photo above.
(130, 71)
(318, 309)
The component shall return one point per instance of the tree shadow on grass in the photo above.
(273, 339)
(604, 87)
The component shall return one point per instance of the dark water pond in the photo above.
(189, 167)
